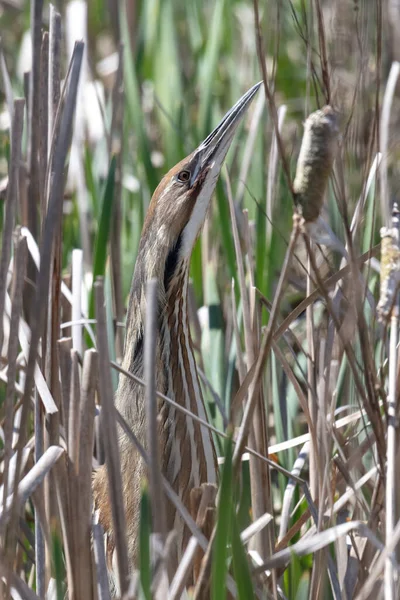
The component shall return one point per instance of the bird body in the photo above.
(173, 222)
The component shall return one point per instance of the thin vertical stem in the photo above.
(109, 430)
(150, 376)
(34, 116)
(391, 455)
(54, 69)
(77, 274)
(116, 147)
(259, 473)
(11, 201)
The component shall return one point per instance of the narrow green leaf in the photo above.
(134, 107)
(103, 233)
(241, 567)
(58, 565)
(91, 183)
(209, 66)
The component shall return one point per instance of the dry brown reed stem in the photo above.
(315, 543)
(60, 148)
(34, 117)
(201, 589)
(20, 257)
(272, 187)
(150, 345)
(264, 350)
(31, 481)
(64, 346)
(43, 119)
(259, 473)
(323, 51)
(391, 513)
(102, 583)
(52, 220)
(8, 90)
(83, 480)
(50, 96)
(372, 409)
(11, 201)
(320, 291)
(183, 571)
(370, 584)
(110, 438)
(389, 307)
(291, 340)
(116, 140)
(55, 35)
(249, 149)
(73, 473)
(327, 283)
(314, 475)
(51, 331)
(54, 195)
(77, 276)
(9, 537)
(270, 97)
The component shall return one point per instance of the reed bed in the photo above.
(294, 301)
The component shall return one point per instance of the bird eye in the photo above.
(183, 176)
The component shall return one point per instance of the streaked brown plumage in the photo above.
(174, 220)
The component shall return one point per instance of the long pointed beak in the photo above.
(216, 145)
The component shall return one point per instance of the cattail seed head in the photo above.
(314, 165)
(390, 267)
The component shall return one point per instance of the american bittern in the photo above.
(174, 220)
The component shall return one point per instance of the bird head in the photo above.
(179, 204)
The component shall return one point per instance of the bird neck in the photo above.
(176, 375)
